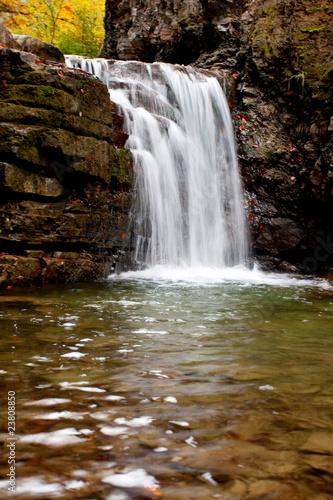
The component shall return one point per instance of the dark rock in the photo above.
(65, 182)
(280, 235)
(171, 32)
(286, 267)
(276, 59)
(41, 49)
(268, 263)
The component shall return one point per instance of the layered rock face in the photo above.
(276, 57)
(65, 177)
(170, 30)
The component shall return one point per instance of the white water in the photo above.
(188, 204)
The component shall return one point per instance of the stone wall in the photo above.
(65, 176)
(276, 56)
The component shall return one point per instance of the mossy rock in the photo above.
(123, 167)
(18, 113)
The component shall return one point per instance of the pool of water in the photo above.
(160, 385)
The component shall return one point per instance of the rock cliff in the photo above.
(65, 176)
(276, 56)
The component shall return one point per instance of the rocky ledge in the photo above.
(65, 176)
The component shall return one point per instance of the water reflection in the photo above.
(135, 389)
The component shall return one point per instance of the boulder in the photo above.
(7, 39)
(41, 49)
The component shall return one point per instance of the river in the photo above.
(170, 384)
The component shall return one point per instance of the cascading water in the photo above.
(188, 205)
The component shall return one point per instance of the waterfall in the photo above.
(188, 203)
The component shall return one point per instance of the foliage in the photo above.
(76, 27)
(47, 91)
(300, 78)
(311, 30)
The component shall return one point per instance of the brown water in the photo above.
(139, 389)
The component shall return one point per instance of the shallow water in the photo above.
(171, 386)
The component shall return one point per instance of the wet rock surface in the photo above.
(65, 176)
(276, 57)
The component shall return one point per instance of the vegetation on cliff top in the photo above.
(76, 27)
